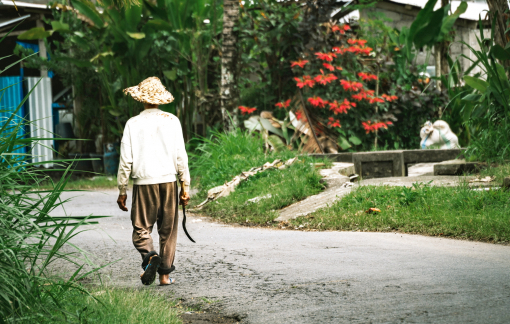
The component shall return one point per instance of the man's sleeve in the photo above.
(125, 163)
(182, 159)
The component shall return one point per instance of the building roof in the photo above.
(11, 4)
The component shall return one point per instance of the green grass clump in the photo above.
(458, 212)
(225, 155)
(286, 187)
(118, 306)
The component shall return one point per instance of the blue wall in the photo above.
(9, 100)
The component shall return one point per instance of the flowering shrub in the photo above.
(340, 87)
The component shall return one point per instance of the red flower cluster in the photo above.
(317, 102)
(301, 63)
(283, 104)
(334, 122)
(328, 66)
(328, 57)
(342, 107)
(299, 115)
(358, 50)
(363, 94)
(342, 28)
(389, 98)
(367, 76)
(351, 85)
(375, 99)
(246, 110)
(360, 42)
(325, 79)
(352, 49)
(369, 127)
(307, 81)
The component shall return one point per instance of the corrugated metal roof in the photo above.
(41, 116)
(9, 102)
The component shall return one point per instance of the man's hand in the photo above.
(121, 201)
(184, 198)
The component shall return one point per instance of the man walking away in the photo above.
(153, 153)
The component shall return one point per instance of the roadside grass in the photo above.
(285, 187)
(218, 159)
(95, 182)
(457, 212)
(117, 306)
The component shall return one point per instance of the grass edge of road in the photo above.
(455, 212)
(109, 305)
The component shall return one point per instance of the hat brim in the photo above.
(161, 98)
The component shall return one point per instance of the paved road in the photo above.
(275, 276)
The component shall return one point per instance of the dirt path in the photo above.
(271, 276)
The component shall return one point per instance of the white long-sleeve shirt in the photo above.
(152, 150)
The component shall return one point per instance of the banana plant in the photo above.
(429, 28)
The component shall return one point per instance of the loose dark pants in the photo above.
(156, 203)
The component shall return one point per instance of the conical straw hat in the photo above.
(150, 91)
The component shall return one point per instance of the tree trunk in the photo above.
(441, 55)
(437, 60)
(228, 89)
(501, 6)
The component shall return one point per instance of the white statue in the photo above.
(438, 134)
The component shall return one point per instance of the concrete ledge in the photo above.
(456, 167)
(379, 164)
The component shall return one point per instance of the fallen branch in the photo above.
(229, 187)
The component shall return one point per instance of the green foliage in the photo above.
(224, 155)
(429, 28)
(122, 45)
(268, 37)
(486, 107)
(458, 212)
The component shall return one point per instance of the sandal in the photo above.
(172, 280)
(151, 269)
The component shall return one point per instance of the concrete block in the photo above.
(379, 164)
(429, 156)
(456, 167)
